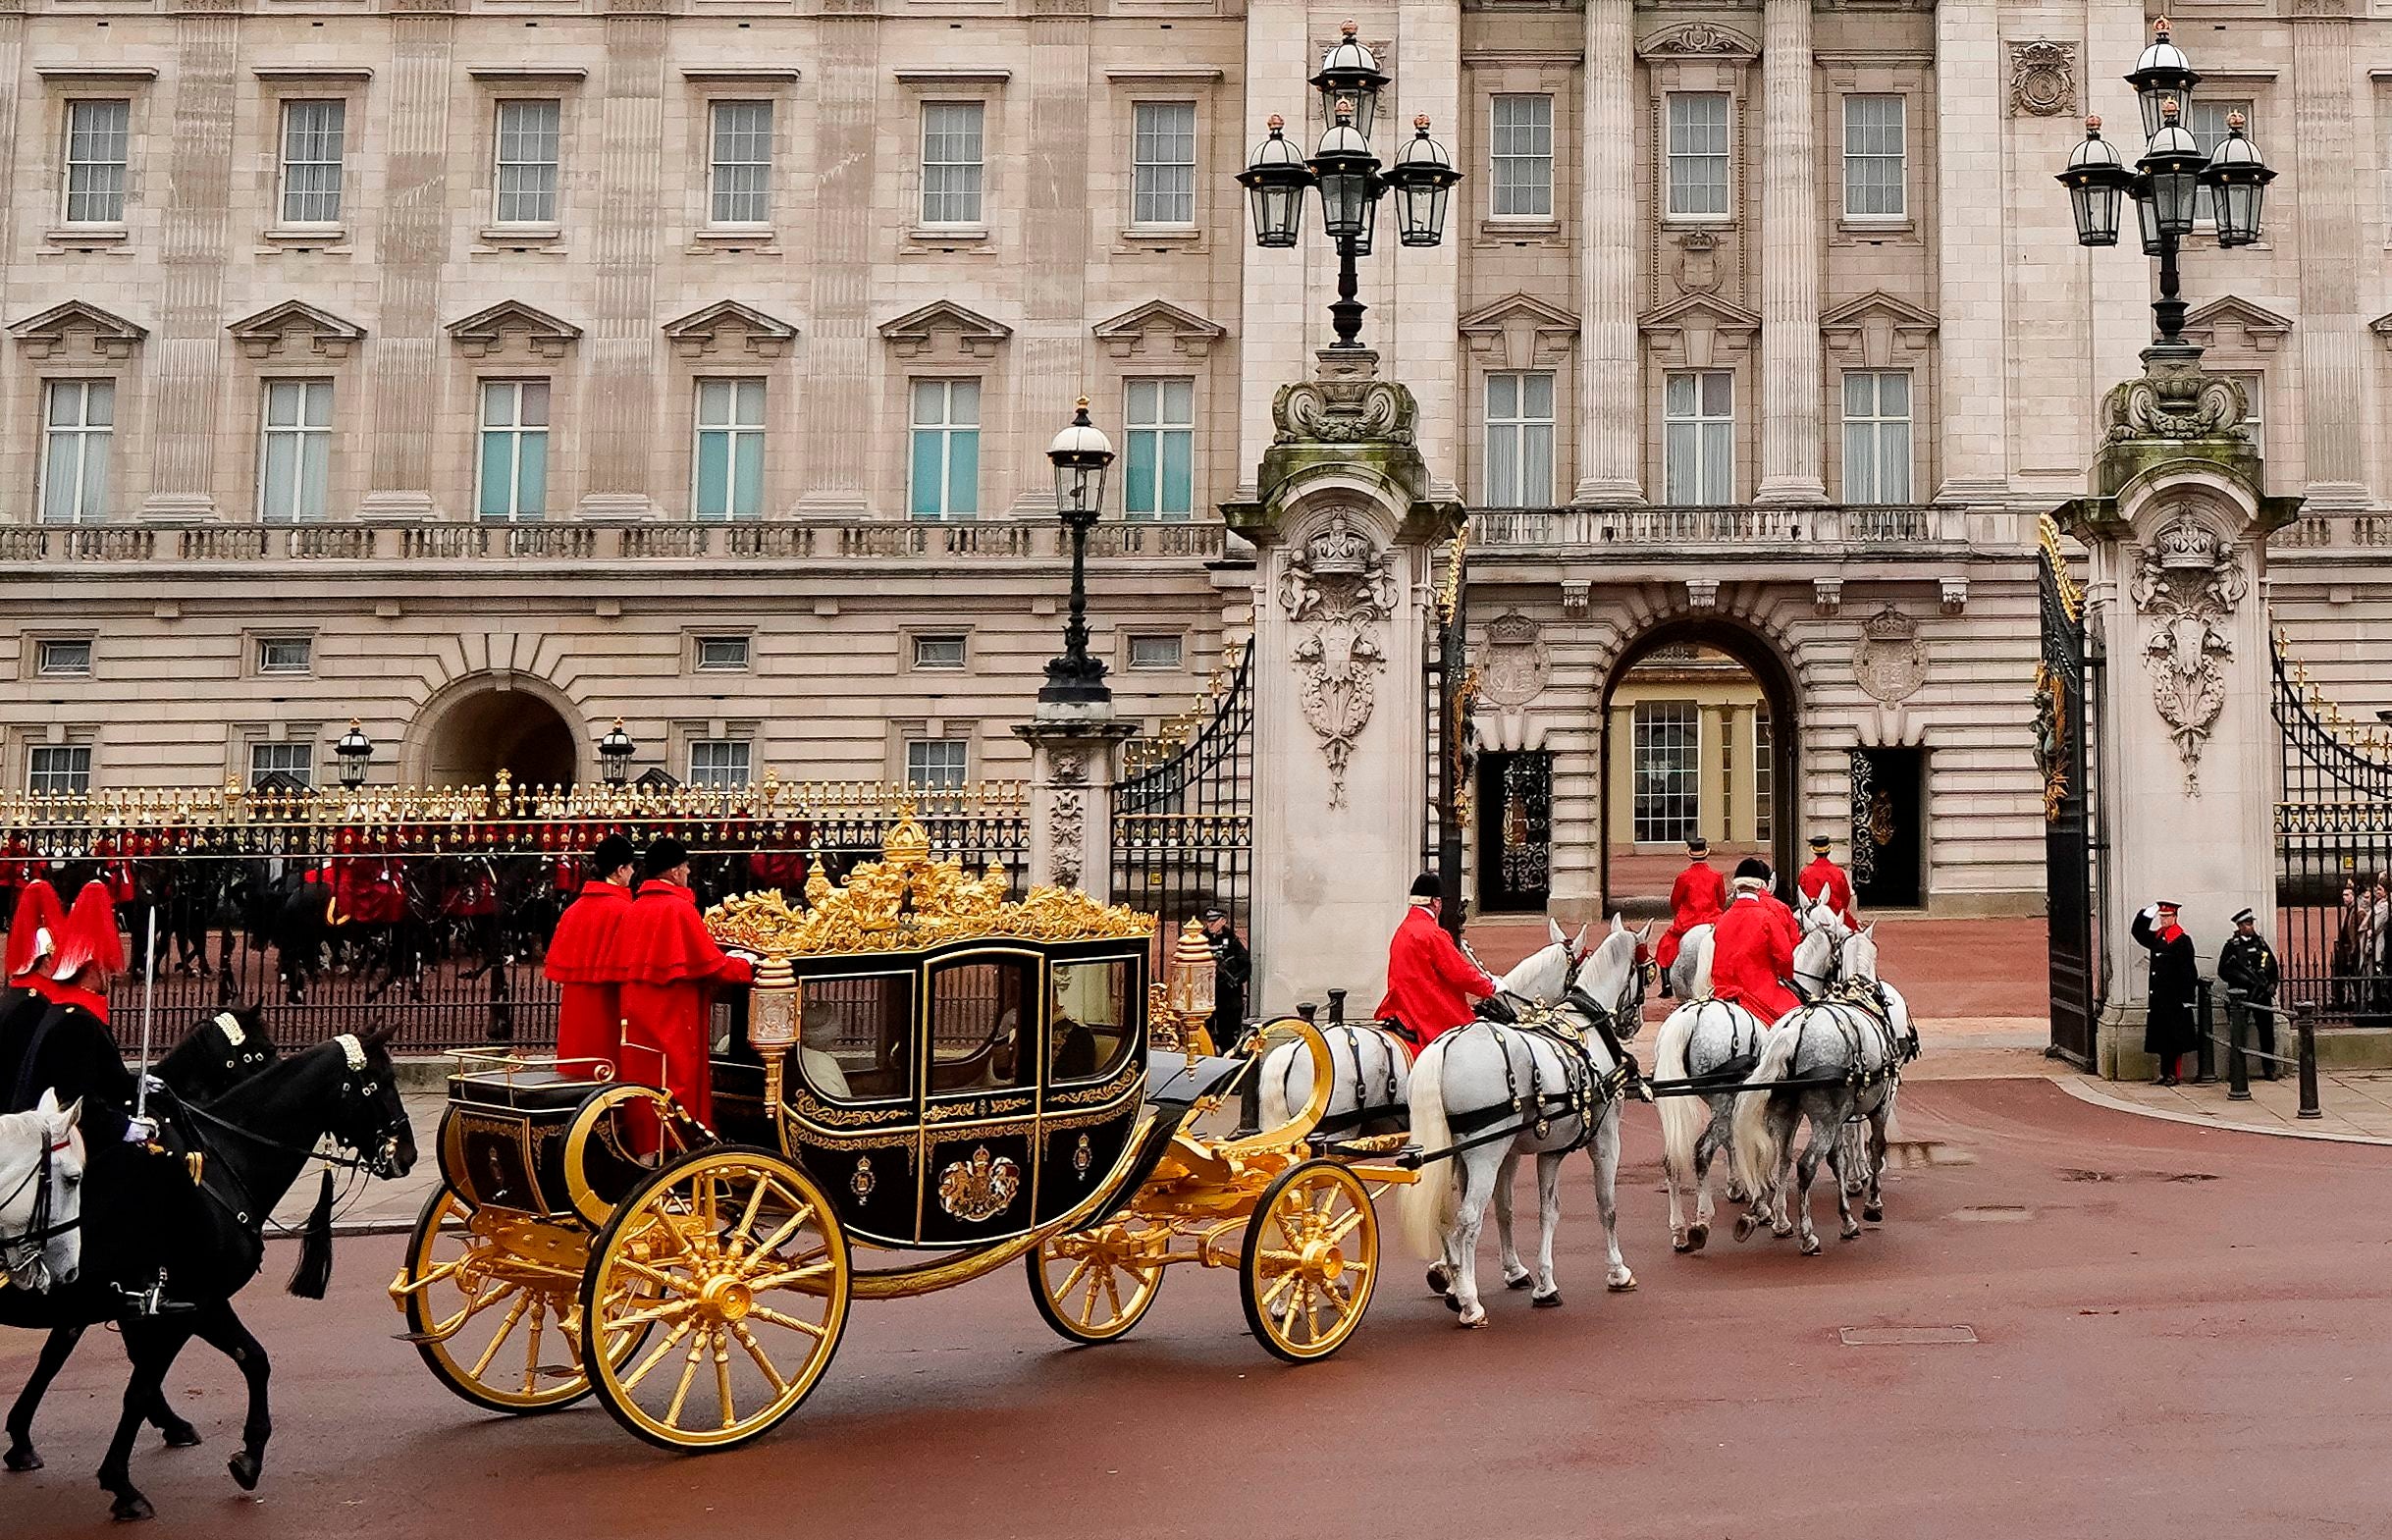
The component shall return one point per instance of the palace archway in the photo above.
(484, 723)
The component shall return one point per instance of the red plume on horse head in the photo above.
(33, 934)
(89, 943)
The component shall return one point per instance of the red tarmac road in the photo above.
(2180, 1332)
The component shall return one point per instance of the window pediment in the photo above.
(941, 326)
(2236, 323)
(727, 327)
(73, 328)
(295, 327)
(1697, 329)
(2382, 326)
(513, 328)
(1698, 41)
(1875, 327)
(1129, 334)
(1520, 332)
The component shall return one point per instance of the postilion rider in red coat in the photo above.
(669, 968)
(1823, 877)
(1430, 982)
(1752, 947)
(1696, 898)
(580, 962)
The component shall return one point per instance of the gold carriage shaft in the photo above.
(925, 1067)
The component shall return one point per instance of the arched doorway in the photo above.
(481, 726)
(1700, 736)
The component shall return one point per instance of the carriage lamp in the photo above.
(2097, 181)
(2172, 163)
(1275, 180)
(1080, 455)
(2237, 180)
(355, 751)
(773, 1013)
(614, 752)
(1192, 989)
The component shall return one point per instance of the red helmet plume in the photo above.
(32, 934)
(90, 941)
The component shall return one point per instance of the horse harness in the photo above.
(1361, 1111)
(39, 1231)
(1867, 997)
(1583, 1094)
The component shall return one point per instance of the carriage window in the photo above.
(980, 1010)
(853, 1041)
(1095, 1019)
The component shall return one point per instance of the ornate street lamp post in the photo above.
(1349, 178)
(614, 752)
(1080, 455)
(355, 751)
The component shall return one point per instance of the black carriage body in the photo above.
(979, 1090)
(506, 1138)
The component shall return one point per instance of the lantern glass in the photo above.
(1079, 489)
(2097, 213)
(2238, 212)
(2146, 213)
(1420, 214)
(1344, 199)
(1279, 212)
(2175, 198)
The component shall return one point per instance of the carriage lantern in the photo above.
(614, 752)
(355, 751)
(1422, 179)
(2096, 180)
(1191, 997)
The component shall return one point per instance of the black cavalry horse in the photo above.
(218, 1055)
(255, 1140)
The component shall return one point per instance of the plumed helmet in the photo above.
(32, 934)
(612, 852)
(664, 855)
(1426, 886)
(90, 941)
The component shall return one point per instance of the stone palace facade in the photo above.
(487, 372)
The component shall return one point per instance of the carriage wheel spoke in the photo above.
(1311, 1300)
(1271, 1295)
(531, 1347)
(523, 1302)
(1345, 1227)
(656, 1355)
(745, 1230)
(1112, 1292)
(1072, 1280)
(658, 1276)
(791, 1276)
(754, 1350)
(722, 1377)
(780, 1237)
(665, 1311)
(689, 1372)
(763, 1313)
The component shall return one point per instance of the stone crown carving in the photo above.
(1339, 588)
(2175, 400)
(2043, 78)
(1343, 408)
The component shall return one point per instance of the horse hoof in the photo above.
(1453, 1304)
(245, 1471)
(21, 1458)
(1625, 1283)
(1439, 1282)
(1810, 1245)
(1780, 1231)
(1745, 1226)
(1523, 1281)
(129, 1510)
(1696, 1236)
(181, 1435)
(1548, 1302)
(1469, 1325)
(1875, 1213)
(1681, 1244)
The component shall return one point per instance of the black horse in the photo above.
(215, 1056)
(255, 1140)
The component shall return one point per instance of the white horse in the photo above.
(1549, 1096)
(1690, 970)
(1856, 1051)
(1370, 1071)
(41, 1195)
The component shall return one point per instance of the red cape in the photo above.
(662, 940)
(580, 952)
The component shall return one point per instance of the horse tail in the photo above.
(1427, 1206)
(1274, 1087)
(1677, 1114)
(1756, 1148)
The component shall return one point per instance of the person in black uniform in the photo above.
(2247, 966)
(2170, 1027)
(1233, 968)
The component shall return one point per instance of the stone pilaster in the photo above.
(1422, 299)
(2325, 199)
(407, 355)
(1791, 386)
(1051, 343)
(1278, 289)
(625, 354)
(1610, 360)
(837, 358)
(1073, 764)
(1971, 283)
(187, 378)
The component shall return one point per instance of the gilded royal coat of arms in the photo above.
(979, 1188)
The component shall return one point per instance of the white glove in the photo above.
(2151, 912)
(153, 1085)
(140, 1131)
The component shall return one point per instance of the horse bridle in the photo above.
(1836, 953)
(26, 1264)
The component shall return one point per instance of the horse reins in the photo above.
(39, 1231)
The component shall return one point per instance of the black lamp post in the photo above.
(614, 752)
(355, 751)
(1349, 178)
(2166, 183)
(1080, 455)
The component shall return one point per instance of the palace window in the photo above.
(1764, 778)
(1698, 431)
(1877, 435)
(938, 652)
(1161, 652)
(937, 764)
(945, 475)
(284, 654)
(1520, 440)
(1874, 171)
(295, 451)
(951, 164)
(1668, 771)
(1162, 165)
(722, 763)
(1698, 155)
(2254, 408)
(312, 139)
(78, 433)
(1158, 480)
(514, 473)
(729, 452)
(295, 760)
(63, 770)
(64, 658)
(527, 143)
(99, 136)
(740, 174)
(723, 654)
(1522, 157)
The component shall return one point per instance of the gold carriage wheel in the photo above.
(1093, 1286)
(735, 1262)
(1310, 1260)
(499, 1335)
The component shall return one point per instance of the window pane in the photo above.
(928, 472)
(714, 474)
(1522, 156)
(747, 487)
(279, 475)
(1143, 462)
(1718, 393)
(963, 402)
(527, 142)
(99, 134)
(1162, 170)
(963, 471)
(951, 163)
(498, 473)
(742, 162)
(1698, 154)
(1719, 458)
(1178, 473)
(312, 139)
(531, 476)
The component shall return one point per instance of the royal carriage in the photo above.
(927, 1073)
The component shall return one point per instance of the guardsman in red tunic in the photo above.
(1824, 879)
(669, 968)
(1430, 981)
(580, 960)
(1752, 946)
(1696, 898)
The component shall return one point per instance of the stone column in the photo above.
(1051, 346)
(187, 383)
(407, 355)
(1074, 764)
(1277, 290)
(835, 363)
(1611, 412)
(1787, 152)
(1971, 281)
(1421, 305)
(1347, 538)
(2332, 332)
(2176, 536)
(626, 408)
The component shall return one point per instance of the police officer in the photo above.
(2247, 966)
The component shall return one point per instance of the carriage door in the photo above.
(1515, 831)
(1889, 850)
(982, 1046)
(1090, 1102)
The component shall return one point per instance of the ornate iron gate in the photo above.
(2333, 829)
(1183, 813)
(2060, 754)
(1516, 831)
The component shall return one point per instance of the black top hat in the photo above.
(1697, 845)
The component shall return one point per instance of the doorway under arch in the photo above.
(482, 725)
(1701, 735)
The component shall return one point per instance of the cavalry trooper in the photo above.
(2247, 966)
(669, 968)
(33, 938)
(590, 998)
(1430, 980)
(1824, 882)
(1752, 946)
(1696, 898)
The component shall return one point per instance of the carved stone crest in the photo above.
(1066, 820)
(2043, 78)
(2187, 585)
(1891, 663)
(1514, 672)
(1339, 592)
(2173, 399)
(1345, 404)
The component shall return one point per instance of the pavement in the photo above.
(2073, 1321)
(2355, 1106)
